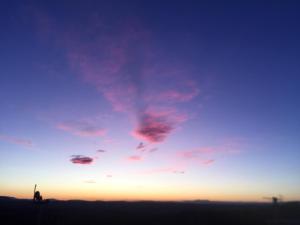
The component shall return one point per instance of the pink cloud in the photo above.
(153, 128)
(80, 159)
(203, 155)
(81, 128)
(178, 96)
(124, 65)
(122, 97)
(120, 59)
(15, 140)
(111, 61)
(184, 93)
(135, 158)
(195, 153)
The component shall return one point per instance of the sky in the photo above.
(150, 100)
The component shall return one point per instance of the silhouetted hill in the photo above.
(73, 212)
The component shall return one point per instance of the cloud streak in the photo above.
(208, 162)
(184, 93)
(134, 158)
(16, 140)
(196, 153)
(81, 128)
(208, 155)
(80, 159)
(172, 169)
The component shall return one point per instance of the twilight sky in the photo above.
(158, 100)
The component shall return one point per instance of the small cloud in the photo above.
(101, 151)
(80, 159)
(134, 158)
(81, 128)
(109, 176)
(15, 140)
(141, 146)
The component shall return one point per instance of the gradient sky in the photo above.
(153, 100)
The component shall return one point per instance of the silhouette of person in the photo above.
(37, 197)
(275, 200)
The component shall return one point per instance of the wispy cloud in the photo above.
(153, 150)
(134, 158)
(101, 151)
(196, 153)
(146, 148)
(122, 60)
(80, 159)
(208, 162)
(184, 93)
(141, 147)
(16, 140)
(81, 128)
(172, 169)
(208, 155)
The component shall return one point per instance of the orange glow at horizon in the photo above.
(112, 193)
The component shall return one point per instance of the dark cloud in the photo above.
(80, 159)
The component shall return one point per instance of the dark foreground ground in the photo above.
(14, 211)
